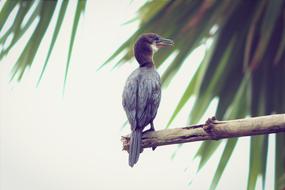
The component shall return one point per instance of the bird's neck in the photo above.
(148, 64)
(145, 60)
(144, 56)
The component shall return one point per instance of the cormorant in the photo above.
(142, 92)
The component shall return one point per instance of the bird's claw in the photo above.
(147, 131)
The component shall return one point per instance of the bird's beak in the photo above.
(163, 42)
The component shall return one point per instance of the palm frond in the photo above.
(27, 13)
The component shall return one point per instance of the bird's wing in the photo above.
(141, 98)
(155, 98)
(130, 101)
(149, 93)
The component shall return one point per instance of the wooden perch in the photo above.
(212, 130)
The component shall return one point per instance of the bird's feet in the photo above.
(209, 127)
(147, 131)
(151, 129)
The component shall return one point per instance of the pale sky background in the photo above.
(53, 142)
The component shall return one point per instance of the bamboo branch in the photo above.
(212, 130)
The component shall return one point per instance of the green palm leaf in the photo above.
(44, 11)
(62, 12)
(79, 9)
(27, 56)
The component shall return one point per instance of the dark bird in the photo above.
(142, 92)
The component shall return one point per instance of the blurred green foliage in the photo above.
(28, 12)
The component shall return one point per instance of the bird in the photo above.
(142, 91)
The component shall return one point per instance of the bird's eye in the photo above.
(156, 38)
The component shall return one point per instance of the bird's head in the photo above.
(146, 45)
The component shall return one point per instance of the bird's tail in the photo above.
(135, 147)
